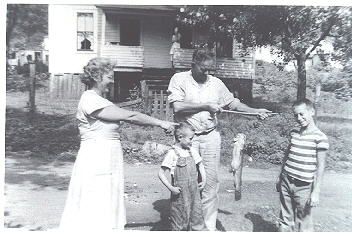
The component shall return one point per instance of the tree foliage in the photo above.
(343, 40)
(294, 31)
(27, 24)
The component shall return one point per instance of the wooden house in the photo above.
(137, 38)
(21, 56)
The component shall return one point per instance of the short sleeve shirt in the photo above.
(184, 88)
(89, 126)
(302, 158)
(171, 157)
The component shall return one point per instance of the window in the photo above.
(130, 30)
(224, 47)
(85, 32)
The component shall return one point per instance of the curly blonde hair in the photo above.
(95, 69)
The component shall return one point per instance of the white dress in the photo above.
(95, 197)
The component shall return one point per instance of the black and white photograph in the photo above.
(152, 117)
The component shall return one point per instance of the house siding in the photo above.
(112, 28)
(100, 14)
(156, 32)
(64, 56)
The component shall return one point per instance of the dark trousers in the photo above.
(295, 210)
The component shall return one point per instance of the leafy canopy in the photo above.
(26, 24)
(293, 30)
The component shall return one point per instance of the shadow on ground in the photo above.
(259, 224)
(162, 206)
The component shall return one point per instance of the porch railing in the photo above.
(241, 66)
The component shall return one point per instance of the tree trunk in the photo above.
(301, 85)
(32, 83)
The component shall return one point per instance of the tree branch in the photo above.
(288, 41)
(322, 36)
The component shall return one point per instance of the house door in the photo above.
(124, 84)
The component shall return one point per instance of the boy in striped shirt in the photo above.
(302, 170)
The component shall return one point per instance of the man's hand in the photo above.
(263, 113)
(201, 185)
(175, 190)
(214, 108)
(314, 199)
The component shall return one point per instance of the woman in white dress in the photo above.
(96, 192)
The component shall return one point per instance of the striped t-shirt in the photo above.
(302, 158)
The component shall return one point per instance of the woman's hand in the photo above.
(169, 127)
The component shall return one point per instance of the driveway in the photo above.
(35, 193)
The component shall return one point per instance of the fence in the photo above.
(154, 93)
(160, 107)
(66, 86)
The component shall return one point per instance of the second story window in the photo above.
(130, 31)
(85, 31)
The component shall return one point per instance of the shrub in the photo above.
(267, 140)
(333, 80)
(273, 84)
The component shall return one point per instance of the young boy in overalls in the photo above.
(183, 163)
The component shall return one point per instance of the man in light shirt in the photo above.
(197, 97)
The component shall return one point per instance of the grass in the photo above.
(52, 132)
(56, 137)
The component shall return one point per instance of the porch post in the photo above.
(103, 26)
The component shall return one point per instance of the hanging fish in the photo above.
(236, 163)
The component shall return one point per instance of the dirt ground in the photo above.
(35, 193)
(36, 187)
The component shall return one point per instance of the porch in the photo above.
(237, 72)
(238, 67)
(126, 58)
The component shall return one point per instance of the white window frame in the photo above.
(95, 31)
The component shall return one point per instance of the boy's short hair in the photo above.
(181, 127)
(309, 104)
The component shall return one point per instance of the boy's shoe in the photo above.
(238, 195)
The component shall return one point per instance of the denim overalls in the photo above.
(186, 207)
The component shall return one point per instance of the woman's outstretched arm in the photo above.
(114, 113)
